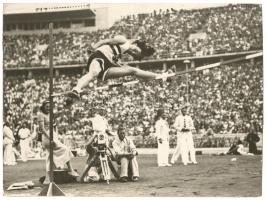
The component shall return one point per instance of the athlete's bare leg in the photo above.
(84, 81)
(116, 72)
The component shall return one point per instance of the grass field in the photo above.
(213, 176)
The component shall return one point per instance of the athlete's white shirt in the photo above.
(108, 52)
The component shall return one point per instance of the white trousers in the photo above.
(190, 146)
(9, 155)
(181, 149)
(133, 165)
(24, 149)
(163, 152)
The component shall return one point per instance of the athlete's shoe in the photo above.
(72, 97)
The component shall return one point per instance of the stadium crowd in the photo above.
(230, 28)
(225, 100)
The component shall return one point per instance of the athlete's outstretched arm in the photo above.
(119, 39)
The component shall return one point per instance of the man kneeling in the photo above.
(126, 155)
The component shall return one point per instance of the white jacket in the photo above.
(185, 122)
(162, 129)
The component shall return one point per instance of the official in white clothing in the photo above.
(162, 133)
(8, 140)
(24, 140)
(185, 145)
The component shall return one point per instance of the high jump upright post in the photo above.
(51, 189)
(187, 81)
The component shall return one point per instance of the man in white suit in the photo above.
(162, 133)
(24, 136)
(185, 145)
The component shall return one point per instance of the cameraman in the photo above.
(98, 125)
(126, 155)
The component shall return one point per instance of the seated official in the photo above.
(126, 153)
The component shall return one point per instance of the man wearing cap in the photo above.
(185, 145)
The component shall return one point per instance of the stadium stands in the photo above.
(224, 100)
(167, 30)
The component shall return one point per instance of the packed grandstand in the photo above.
(233, 28)
(225, 100)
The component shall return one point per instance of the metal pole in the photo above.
(31, 120)
(52, 189)
(51, 75)
(187, 81)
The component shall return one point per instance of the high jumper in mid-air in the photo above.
(104, 63)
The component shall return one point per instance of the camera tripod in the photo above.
(106, 164)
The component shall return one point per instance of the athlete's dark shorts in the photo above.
(103, 61)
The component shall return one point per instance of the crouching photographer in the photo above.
(126, 153)
(99, 162)
(96, 148)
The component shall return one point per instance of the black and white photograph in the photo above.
(133, 99)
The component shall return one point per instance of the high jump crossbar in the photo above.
(218, 64)
(209, 66)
